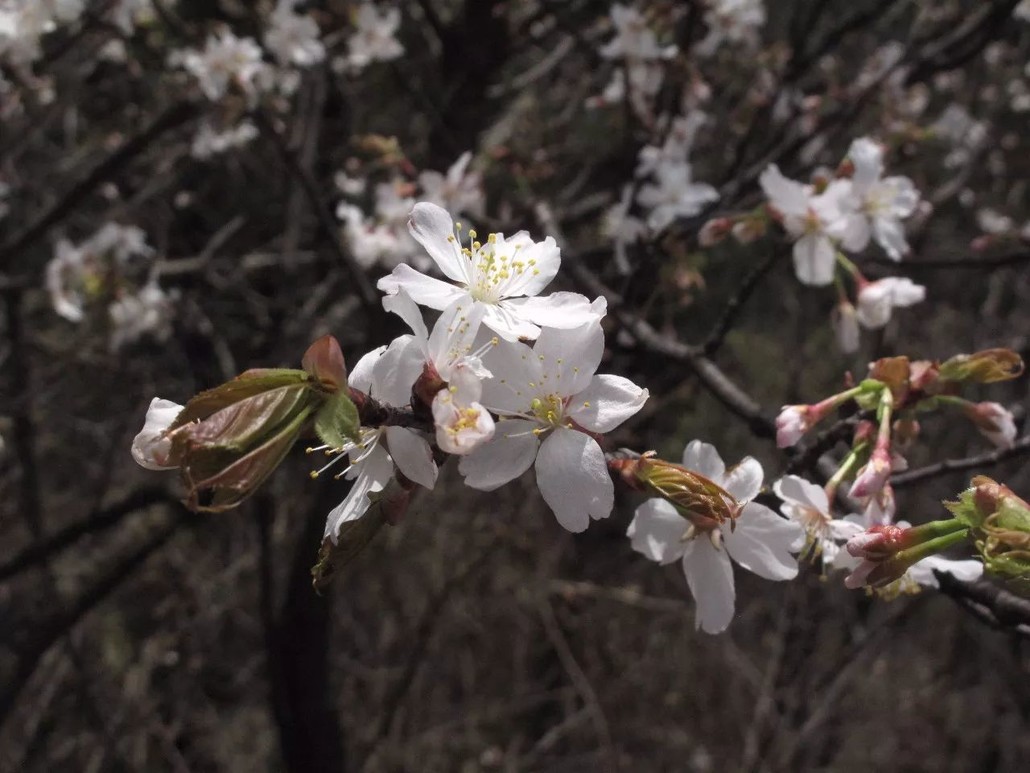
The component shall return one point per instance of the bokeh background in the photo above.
(478, 635)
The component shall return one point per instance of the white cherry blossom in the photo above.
(731, 21)
(371, 461)
(807, 505)
(462, 423)
(882, 201)
(225, 60)
(546, 396)
(876, 300)
(759, 541)
(293, 38)
(634, 39)
(505, 276)
(675, 195)
(817, 222)
(457, 191)
(374, 37)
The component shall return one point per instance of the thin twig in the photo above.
(909, 477)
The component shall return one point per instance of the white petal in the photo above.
(657, 531)
(517, 376)
(890, 234)
(743, 481)
(788, 196)
(703, 458)
(573, 478)
(401, 304)
(150, 448)
(558, 310)
(763, 541)
(375, 471)
(396, 370)
(710, 577)
(424, 290)
(569, 358)
(413, 456)
(454, 334)
(867, 157)
(967, 571)
(507, 321)
(433, 228)
(791, 488)
(606, 403)
(547, 259)
(503, 458)
(814, 259)
(360, 376)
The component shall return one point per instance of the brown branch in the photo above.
(99, 521)
(363, 287)
(902, 479)
(988, 262)
(171, 118)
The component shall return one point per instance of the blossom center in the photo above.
(493, 267)
(549, 410)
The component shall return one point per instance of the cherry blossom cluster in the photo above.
(375, 216)
(108, 281)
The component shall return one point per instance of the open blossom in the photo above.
(758, 540)
(882, 201)
(225, 61)
(634, 39)
(876, 300)
(550, 401)
(817, 222)
(732, 21)
(151, 447)
(293, 38)
(446, 358)
(457, 191)
(674, 195)
(208, 141)
(148, 311)
(371, 461)
(807, 505)
(374, 37)
(505, 276)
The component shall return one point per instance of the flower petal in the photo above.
(503, 458)
(606, 403)
(433, 228)
(657, 531)
(150, 448)
(762, 542)
(507, 321)
(424, 290)
(544, 257)
(360, 376)
(814, 259)
(374, 472)
(401, 304)
(396, 370)
(560, 310)
(413, 456)
(744, 480)
(517, 376)
(710, 578)
(703, 458)
(573, 478)
(569, 358)
(791, 488)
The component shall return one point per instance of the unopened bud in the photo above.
(994, 422)
(984, 367)
(701, 501)
(887, 552)
(875, 474)
(714, 231)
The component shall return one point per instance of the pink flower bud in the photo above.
(791, 424)
(994, 421)
(878, 542)
(875, 474)
(714, 231)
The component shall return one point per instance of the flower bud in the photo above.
(750, 228)
(714, 231)
(227, 440)
(701, 501)
(984, 367)
(1001, 522)
(994, 422)
(875, 474)
(887, 552)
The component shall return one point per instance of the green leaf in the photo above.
(338, 421)
(248, 384)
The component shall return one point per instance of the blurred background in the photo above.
(270, 181)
